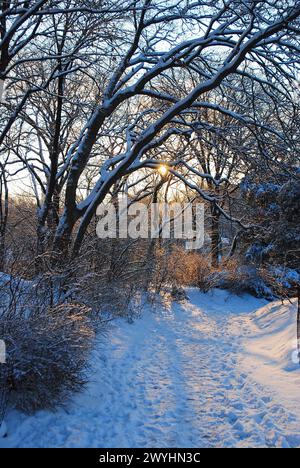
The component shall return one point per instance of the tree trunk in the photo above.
(2, 251)
(111, 274)
(3, 214)
(150, 255)
(62, 239)
(215, 236)
(49, 212)
(298, 322)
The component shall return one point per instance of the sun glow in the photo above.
(163, 170)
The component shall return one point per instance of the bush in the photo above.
(239, 278)
(187, 268)
(194, 269)
(267, 281)
(47, 353)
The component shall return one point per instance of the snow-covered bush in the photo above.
(283, 281)
(245, 278)
(272, 246)
(47, 352)
(274, 210)
(266, 281)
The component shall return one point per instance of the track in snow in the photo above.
(171, 379)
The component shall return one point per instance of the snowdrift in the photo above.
(270, 352)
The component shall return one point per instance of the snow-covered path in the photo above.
(170, 379)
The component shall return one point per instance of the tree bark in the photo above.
(150, 256)
(71, 214)
(215, 236)
(49, 212)
(3, 214)
(298, 322)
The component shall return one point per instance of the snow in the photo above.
(3, 429)
(286, 277)
(212, 371)
(10, 286)
(271, 352)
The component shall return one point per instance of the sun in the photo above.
(163, 170)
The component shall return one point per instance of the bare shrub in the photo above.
(88, 280)
(184, 267)
(192, 269)
(208, 277)
(21, 237)
(47, 353)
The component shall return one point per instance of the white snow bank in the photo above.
(271, 351)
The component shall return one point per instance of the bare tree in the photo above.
(209, 43)
(48, 59)
(245, 32)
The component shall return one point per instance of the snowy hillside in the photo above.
(181, 377)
